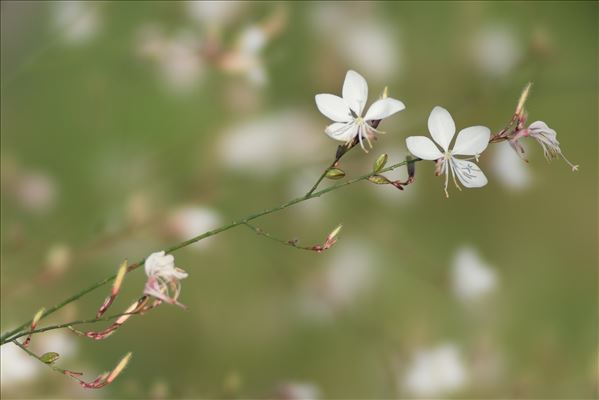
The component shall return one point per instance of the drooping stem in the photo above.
(291, 243)
(7, 336)
(49, 365)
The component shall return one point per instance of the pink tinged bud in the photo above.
(116, 287)
(522, 100)
(119, 368)
(135, 308)
(334, 233)
(105, 378)
(36, 318)
(120, 277)
(329, 241)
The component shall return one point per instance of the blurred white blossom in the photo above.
(510, 170)
(58, 258)
(189, 221)
(17, 366)
(434, 372)
(496, 50)
(177, 56)
(350, 272)
(297, 391)
(266, 145)
(358, 37)
(77, 21)
(301, 181)
(213, 14)
(61, 342)
(36, 191)
(472, 277)
(373, 47)
(246, 57)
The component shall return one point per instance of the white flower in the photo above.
(470, 142)
(347, 111)
(547, 138)
(435, 371)
(163, 277)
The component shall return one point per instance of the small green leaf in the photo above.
(335, 173)
(50, 357)
(380, 163)
(378, 179)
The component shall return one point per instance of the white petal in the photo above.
(423, 147)
(472, 141)
(333, 107)
(468, 173)
(355, 91)
(383, 108)
(342, 131)
(441, 126)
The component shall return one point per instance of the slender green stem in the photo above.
(341, 151)
(324, 173)
(66, 325)
(310, 195)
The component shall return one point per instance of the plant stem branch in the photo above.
(49, 365)
(66, 325)
(310, 195)
(290, 243)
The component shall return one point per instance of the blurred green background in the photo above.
(129, 126)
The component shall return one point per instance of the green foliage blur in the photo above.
(127, 126)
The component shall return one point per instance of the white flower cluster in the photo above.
(352, 126)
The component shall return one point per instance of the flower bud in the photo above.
(411, 168)
(36, 318)
(523, 97)
(334, 233)
(119, 368)
(120, 276)
(380, 163)
(378, 179)
(385, 93)
(335, 173)
(50, 357)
